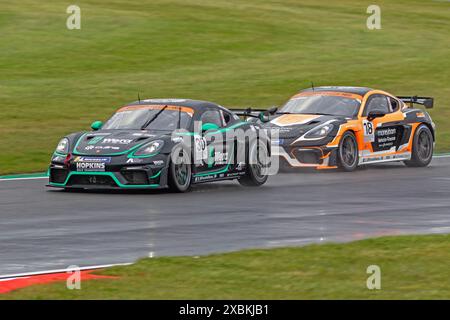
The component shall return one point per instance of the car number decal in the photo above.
(369, 134)
(201, 152)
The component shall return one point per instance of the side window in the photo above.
(394, 104)
(212, 116)
(377, 102)
(227, 117)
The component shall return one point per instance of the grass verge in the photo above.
(412, 267)
(54, 81)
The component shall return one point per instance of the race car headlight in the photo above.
(319, 132)
(150, 148)
(63, 146)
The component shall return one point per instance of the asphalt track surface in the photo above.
(43, 229)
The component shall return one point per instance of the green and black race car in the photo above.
(159, 143)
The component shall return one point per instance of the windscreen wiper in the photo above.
(147, 123)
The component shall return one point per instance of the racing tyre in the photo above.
(422, 149)
(180, 170)
(348, 154)
(257, 166)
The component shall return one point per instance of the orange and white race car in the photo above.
(344, 127)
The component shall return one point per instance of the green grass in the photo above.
(238, 53)
(412, 267)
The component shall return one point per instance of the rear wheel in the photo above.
(422, 150)
(257, 166)
(348, 152)
(180, 170)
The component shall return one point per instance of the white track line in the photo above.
(442, 156)
(28, 274)
(36, 178)
(16, 179)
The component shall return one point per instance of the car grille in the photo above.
(97, 180)
(308, 156)
(58, 175)
(135, 177)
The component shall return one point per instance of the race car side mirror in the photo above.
(263, 117)
(96, 125)
(375, 114)
(272, 110)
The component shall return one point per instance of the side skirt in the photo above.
(386, 158)
(218, 177)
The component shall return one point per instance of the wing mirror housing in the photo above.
(96, 125)
(264, 116)
(375, 114)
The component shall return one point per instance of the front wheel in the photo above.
(348, 154)
(422, 149)
(180, 170)
(257, 165)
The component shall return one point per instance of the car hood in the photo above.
(295, 125)
(114, 142)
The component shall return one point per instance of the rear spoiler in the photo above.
(428, 102)
(254, 113)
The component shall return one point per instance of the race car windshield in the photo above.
(323, 104)
(148, 119)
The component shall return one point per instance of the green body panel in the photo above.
(110, 174)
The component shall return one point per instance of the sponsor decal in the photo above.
(158, 162)
(90, 166)
(92, 159)
(220, 158)
(277, 142)
(99, 148)
(240, 166)
(135, 160)
(235, 174)
(386, 138)
(386, 158)
(203, 178)
(116, 141)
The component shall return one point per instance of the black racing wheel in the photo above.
(180, 170)
(422, 149)
(348, 153)
(257, 165)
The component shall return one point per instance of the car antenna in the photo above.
(312, 85)
(139, 98)
(179, 117)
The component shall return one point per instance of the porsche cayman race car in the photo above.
(331, 127)
(161, 143)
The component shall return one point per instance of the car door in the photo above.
(217, 152)
(384, 133)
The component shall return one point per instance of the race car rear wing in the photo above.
(253, 113)
(428, 102)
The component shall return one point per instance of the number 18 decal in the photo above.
(369, 135)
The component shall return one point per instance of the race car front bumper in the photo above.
(307, 157)
(144, 177)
